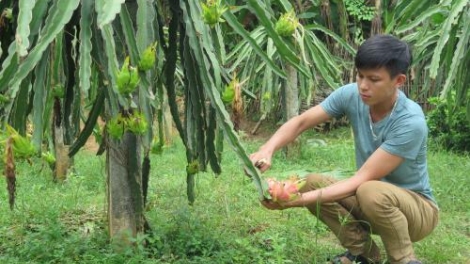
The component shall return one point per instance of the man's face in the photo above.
(376, 86)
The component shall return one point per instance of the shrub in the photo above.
(449, 123)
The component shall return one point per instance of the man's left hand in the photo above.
(271, 205)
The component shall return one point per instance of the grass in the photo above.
(66, 223)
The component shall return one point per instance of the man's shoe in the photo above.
(354, 259)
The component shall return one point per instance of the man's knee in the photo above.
(373, 194)
(366, 190)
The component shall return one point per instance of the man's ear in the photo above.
(400, 80)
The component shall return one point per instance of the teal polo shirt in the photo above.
(403, 133)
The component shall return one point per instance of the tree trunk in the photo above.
(291, 107)
(125, 197)
(377, 20)
(168, 129)
(61, 150)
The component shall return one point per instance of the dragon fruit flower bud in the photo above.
(287, 24)
(212, 12)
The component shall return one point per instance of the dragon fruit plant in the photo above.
(284, 190)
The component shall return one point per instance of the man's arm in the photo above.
(288, 133)
(380, 164)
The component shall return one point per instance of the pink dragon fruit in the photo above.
(284, 190)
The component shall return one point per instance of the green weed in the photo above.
(66, 223)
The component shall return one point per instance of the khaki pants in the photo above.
(397, 215)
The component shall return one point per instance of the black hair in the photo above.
(384, 51)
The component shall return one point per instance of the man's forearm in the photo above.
(332, 193)
(294, 127)
(283, 136)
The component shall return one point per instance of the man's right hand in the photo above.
(261, 160)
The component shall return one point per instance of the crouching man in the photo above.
(390, 194)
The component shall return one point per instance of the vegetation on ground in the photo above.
(66, 222)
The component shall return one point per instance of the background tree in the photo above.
(267, 76)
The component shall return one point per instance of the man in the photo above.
(390, 194)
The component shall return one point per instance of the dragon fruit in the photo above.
(284, 190)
